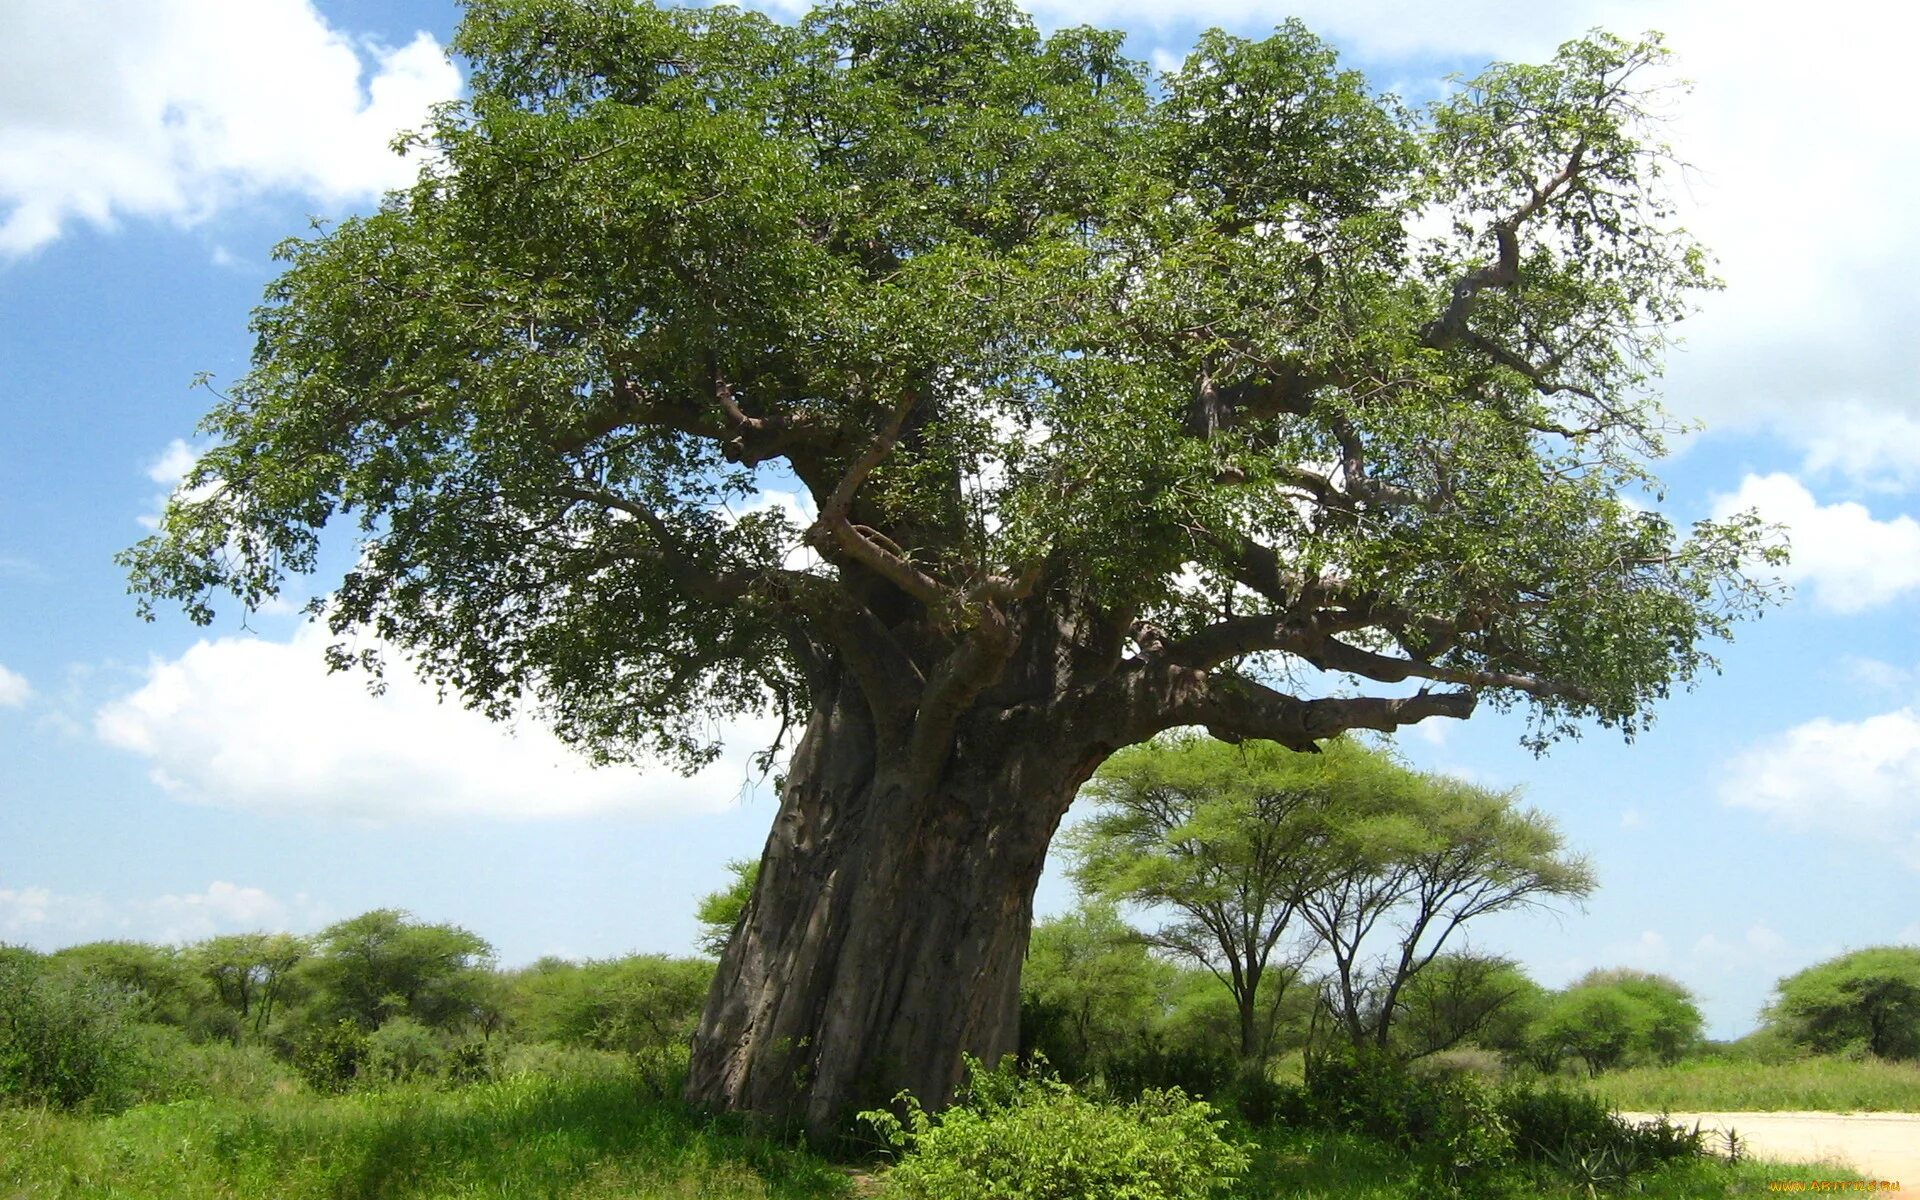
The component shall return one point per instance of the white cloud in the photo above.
(173, 108)
(1851, 560)
(1859, 780)
(249, 723)
(172, 464)
(168, 469)
(14, 689)
(1633, 818)
(1878, 675)
(41, 917)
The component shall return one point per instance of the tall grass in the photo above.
(583, 1137)
(1712, 1084)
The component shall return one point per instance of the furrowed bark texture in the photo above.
(885, 939)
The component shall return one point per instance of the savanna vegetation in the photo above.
(1197, 1027)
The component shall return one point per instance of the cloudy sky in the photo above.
(161, 781)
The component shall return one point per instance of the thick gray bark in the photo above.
(885, 938)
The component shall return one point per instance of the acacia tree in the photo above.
(1111, 409)
(1863, 1000)
(1416, 860)
(1225, 841)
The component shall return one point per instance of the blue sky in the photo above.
(166, 782)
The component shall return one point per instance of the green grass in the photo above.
(1720, 1084)
(1318, 1165)
(582, 1138)
(596, 1134)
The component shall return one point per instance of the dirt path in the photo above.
(1881, 1146)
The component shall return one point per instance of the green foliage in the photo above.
(383, 964)
(604, 1134)
(1467, 999)
(1865, 1001)
(1088, 989)
(65, 1038)
(657, 247)
(1610, 1018)
(719, 912)
(330, 1057)
(159, 980)
(1579, 1139)
(1449, 1121)
(641, 1003)
(252, 974)
(403, 1051)
(1010, 1137)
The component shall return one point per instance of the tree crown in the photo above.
(1257, 372)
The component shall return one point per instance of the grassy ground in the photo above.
(528, 1137)
(594, 1136)
(1813, 1084)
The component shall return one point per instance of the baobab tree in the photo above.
(1099, 409)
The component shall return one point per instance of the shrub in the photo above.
(65, 1040)
(1447, 1120)
(403, 1051)
(329, 1057)
(1577, 1137)
(171, 1066)
(1010, 1137)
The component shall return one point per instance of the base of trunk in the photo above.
(884, 942)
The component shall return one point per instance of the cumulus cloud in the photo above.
(14, 689)
(1849, 559)
(168, 469)
(40, 916)
(1854, 779)
(251, 723)
(173, 108)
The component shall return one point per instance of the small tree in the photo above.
(1223, 841)
(1610, 1018)
(1865, 1000)
(382, 964)
(1416, 859)
(1461, 998)
(719, 912)
(1233, 842)
(1089, 987)
(250, 973)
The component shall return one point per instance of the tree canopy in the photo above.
(1378, 865)
(1865, 1000)
(1272, 370)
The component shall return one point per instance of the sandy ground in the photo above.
(1881, 1146)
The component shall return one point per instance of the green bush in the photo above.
(330, 1057)
(65, 1039)
(638, 1004)
(1448, 1121)
(403, 1051)
(1010, 1137)
(1578, 1138)
(170, 1066)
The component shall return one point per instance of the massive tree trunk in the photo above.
(885, 938)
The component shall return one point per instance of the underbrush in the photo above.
(1717, 1084)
